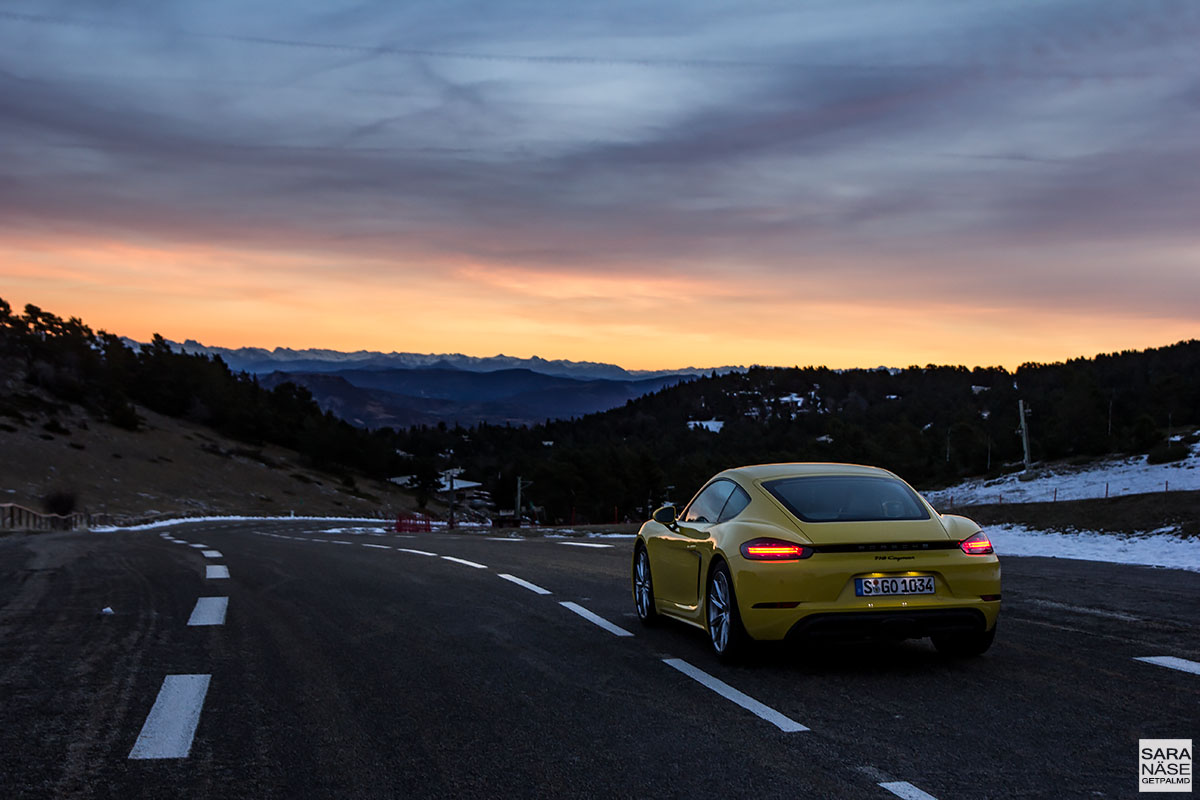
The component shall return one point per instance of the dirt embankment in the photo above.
(169, 467)
(1138, 513)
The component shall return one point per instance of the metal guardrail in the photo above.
(19, 518)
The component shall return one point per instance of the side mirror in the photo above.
(665, 516)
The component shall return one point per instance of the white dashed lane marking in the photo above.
(785, 724)
(1095, 612)
(906, 790)
(595, 619)
(216, 571)
(585, 544)
(212, 553)
(171, 725)
(465, 562)
(1171, 662)
(198, 546)
(415, 552)
(533, 587)
(209, 611)
(378, 546)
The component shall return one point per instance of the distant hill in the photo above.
(398, 398)
(933, 425)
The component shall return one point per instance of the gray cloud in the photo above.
(691, 136)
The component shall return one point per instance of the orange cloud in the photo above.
(646, 320)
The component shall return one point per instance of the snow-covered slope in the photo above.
(1063, 482)
(1126, 476)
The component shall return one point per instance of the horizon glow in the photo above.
(680, 184)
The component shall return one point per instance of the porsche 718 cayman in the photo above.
(817, 552)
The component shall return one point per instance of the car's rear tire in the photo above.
(963, 645)
(643, 587)
(726, 634)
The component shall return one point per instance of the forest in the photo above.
(932, 425)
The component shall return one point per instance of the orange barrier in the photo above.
(413, 523)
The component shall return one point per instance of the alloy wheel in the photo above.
(719, 611)
(641, 585)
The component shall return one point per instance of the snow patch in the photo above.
(1110, 478)
(1154, 550)
(166, 523)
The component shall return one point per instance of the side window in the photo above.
(736, 503)
(707, 505)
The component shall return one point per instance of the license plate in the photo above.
(874, 587)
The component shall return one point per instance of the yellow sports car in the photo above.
(817, 551)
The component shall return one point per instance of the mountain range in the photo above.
(375, 390)
(399, 398)
(258, 360)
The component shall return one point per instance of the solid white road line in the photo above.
(906, 790)
(595, 619)
(1171, 662)
(216, 571)
(585, 544)
(415, 552)
(168, 731)
(377, 546)
(785, 724)
(209, 611)
(464, 561)
(212, 554)
(533, 587)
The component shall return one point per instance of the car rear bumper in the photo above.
(887, 625)
(775, 598)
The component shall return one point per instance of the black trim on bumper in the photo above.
(885, 547)
(888, 625)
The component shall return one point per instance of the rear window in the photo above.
(847, 498)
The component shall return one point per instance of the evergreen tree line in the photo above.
(932, 425)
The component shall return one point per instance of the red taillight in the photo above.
(977, 545)
(774, 550)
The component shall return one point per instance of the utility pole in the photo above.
(521, 485)
(1024, 432)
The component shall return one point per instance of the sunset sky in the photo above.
(651, 184)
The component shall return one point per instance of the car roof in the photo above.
(765, 472)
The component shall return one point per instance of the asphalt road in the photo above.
(348, 667)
